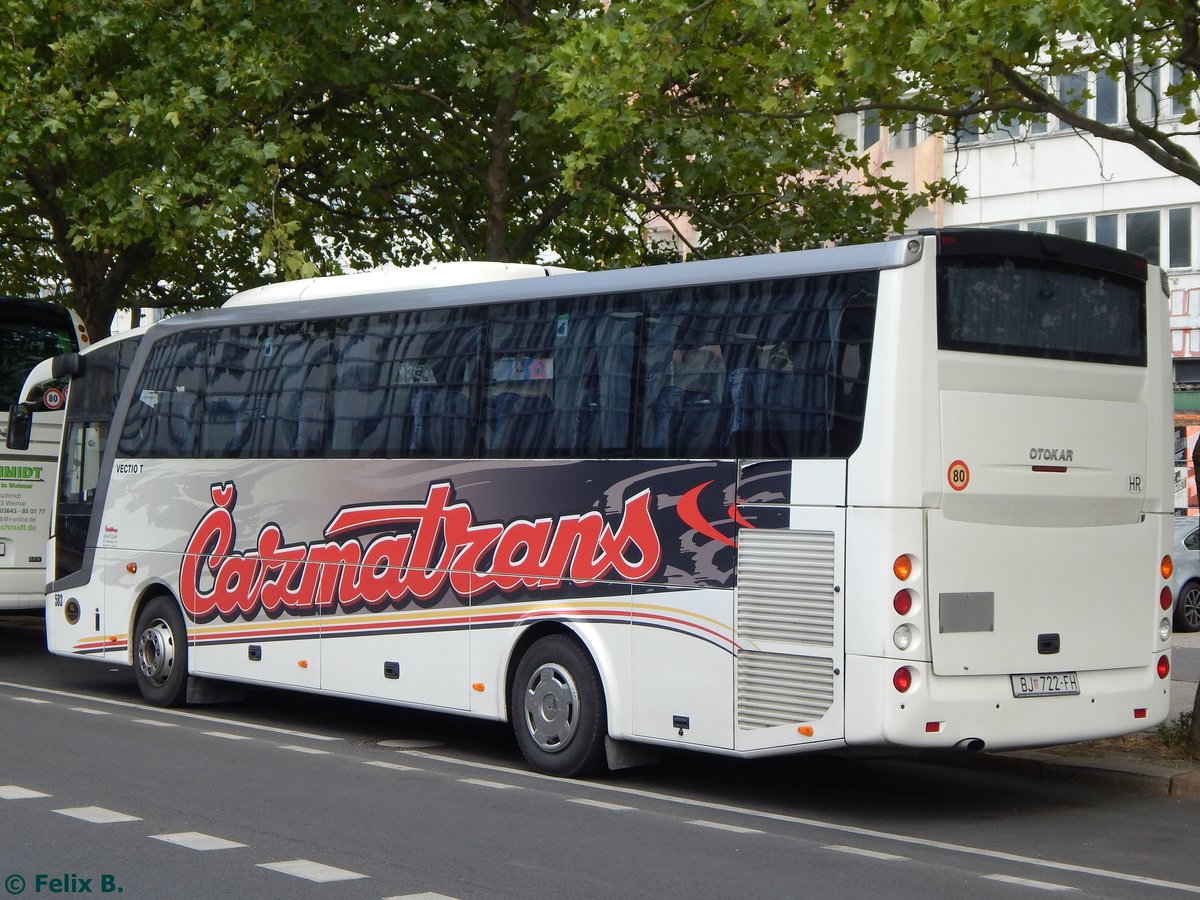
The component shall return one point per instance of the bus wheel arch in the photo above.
(556, 703)
(158, 648)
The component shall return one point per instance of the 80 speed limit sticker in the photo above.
(54, 398)
(958, 475)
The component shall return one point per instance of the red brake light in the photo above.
(902, 602)
(902, 679)
(1164, 598)
(1164, 667)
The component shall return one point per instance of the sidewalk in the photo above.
(1134, 764)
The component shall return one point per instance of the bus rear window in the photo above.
(1014, 306)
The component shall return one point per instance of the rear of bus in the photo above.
(30, 331)
(1013, 489)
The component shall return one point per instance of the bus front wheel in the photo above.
(160, 653)
(558, 711)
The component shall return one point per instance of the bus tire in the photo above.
(160, 653)
(558, 710)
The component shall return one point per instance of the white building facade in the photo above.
(1050, 178)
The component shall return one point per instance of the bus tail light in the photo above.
(902, 603)
(902, 679)
(1164, 598)
(903, 637)
(1164, 667)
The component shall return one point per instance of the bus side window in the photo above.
(161, 421)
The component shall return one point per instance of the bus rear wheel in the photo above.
(160, 653)
(557, 707)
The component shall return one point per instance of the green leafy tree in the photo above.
(144, 146)
(164, 156)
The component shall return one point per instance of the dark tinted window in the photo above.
(758, 369)
(1036, 308)
(30, 331)
(772, 368)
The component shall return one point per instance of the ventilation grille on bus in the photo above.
(785, 586)
(780, 689)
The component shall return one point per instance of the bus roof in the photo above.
(388, 279)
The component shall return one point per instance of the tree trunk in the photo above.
(99, 281)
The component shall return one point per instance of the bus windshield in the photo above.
(30, 331)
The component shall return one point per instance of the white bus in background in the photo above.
(911, 494)
(30, 331)
(82, 433)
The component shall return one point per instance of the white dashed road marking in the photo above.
(229, 737)
(498, 785)
(379, 764)
(90, 712)
(97, 815)
(1025, 882)
(721, 826)
(195, 840)
(295, 748)
(600, 804)
(312, 871)
(870, 854)
(15, 792)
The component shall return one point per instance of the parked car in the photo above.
(1185, 584)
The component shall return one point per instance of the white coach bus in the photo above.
(911, 494)
(30, 331)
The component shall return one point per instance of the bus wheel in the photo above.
(558, 709)
(160, 654)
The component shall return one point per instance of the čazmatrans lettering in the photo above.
(1051, 454)
(415, 550)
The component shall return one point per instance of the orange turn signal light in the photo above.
(903, 567)
(1167, 567)
(131, 568)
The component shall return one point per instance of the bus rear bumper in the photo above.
(980, 712)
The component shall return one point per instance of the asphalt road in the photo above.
(285, 795)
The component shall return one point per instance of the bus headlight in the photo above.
(1164, 630)
(903, 637)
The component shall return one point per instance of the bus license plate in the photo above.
(1045, 684)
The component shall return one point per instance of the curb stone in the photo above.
(1130, 776)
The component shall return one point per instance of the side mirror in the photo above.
(20, 426)
(67, 365)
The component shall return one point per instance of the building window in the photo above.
(1106, 230)
(1146, 94)
(1179, 237)
(903, 136)
(1142, 234)
(1072, 228)
(1072, 93)
(870, 128)
(1179, 101)
(1041, 226)
(1107, 99)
